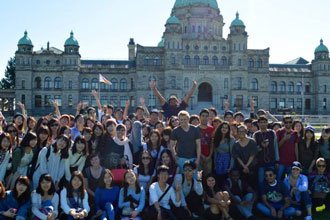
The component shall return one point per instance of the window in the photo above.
(299, 87)
(47, 62)
(173, 82)
(146, 61)
(70, 102)
(123, 84)
(206, 60)
(37, 101)
(23, 84)
(281, 103)
(299, 103)
(215, 60)
(173, 60)
(85, 84)
(37, 83)
(325, 88)
(186, 83)
(95, 83)
(237, 83)
(47, 83)
(47, 100)
(123, 100)
(58, 99)
(225, 83)
(251, 63)
(152, 101)
(37, 62)
(114, 85)
(273, 87)
(85, 99)
(273, 103)
(324, 103)
(282, 87)
(93, 101)
(132, 83)
(57, 62)
(187, 60)
(307, 104)
(307, 87)
(290, 87)
(290, 103)
(255, 98)
(104, 99)
(114, 100)
(70, 84)
(254, 84)
(23, 99)
(259, 63)
(104, 86)
(156, 61)
(57, 83)
(239, 62)
(224, 61)
(196, 60)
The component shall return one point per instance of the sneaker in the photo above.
(308, 217)
(320, 208)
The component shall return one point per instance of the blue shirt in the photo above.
(301, 184)
(10, 202)
(103, 196)
(138, 197)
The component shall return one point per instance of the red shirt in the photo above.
(287, 151)
(206, 139)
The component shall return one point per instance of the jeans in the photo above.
(288, 212)
(109, 212)
(246, 210)
(305, 199)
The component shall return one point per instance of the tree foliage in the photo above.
(8, 82)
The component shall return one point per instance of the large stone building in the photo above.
(192, 48)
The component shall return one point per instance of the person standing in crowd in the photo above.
(5, 154)
(298, 127)
(297, 184)
(106, 197)
(136, 140)
(74, 198)
(16, 202)
(308, 150)
(223, 145)
(268, 155)
(131, 197)
(288, 146)
(45, 200)
(275, 197)
(154, 118)
(78, 127)
(324, 145)
(161, 194)
(154, 146)
(185, 141)
(172, 107)
(206, 134)
(167, 159)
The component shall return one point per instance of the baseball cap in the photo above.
(296, 164)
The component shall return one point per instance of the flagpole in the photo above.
(100, 90)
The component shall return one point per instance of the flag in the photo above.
(104, 80)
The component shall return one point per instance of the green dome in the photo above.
(25, 40)
(184, 3)
(237, 22)
(71, 41)
(321, 48)
(161, 43)
(173, 20)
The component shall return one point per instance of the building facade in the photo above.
(192, 48)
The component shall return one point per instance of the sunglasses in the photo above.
(321, 166)
(288, 122)
(11, 131)
(54, 125)
(188, 170)
(145, 158)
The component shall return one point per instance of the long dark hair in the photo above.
(27, 138)
(79, 139)
(3, 136)
(14, 138)
(26, 195)
(81, 189)
(48, 178)
(42, 130)
(151, 167)
(3, 190)
(31, 118)
(101, 183)
(218, 134)
(125, 185)
(100, 126)
(64, 151)
(321, 140)
(19, 127)
(169, 153)
(50, 123)
(40, 122)
(149, 143)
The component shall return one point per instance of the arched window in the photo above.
(282, 87)
(215, 60)
(157, 61)
(114, 85)
(290, 87)
(123, 84)
(224, 61)
(146, 61)
(251, 63)
(206, 60)
(259, 63)
(173, 82)
(187, 60)
(37, 83)
(85, 84)
(307, 87)
(324, 88)
(299, 87)
(196, 60)
(48, 83)
(57, 83)
(273, 86)
(186, 83)
(104, 86)
(254, 84)
(95, 83)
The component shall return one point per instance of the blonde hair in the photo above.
(184, 113)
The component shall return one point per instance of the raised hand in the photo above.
(94, 93)
(152, 84)
(142, 101)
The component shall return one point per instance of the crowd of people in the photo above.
(107, 163)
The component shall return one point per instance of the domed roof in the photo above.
(173, 20)
(237, 22)
(183, 3)
(321, 48)
(71, 41)
(25, 40)
(161, 43)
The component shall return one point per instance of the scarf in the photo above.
(127, 150)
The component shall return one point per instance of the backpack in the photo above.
(320, 183)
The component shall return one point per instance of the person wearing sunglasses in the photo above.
(319, 185)
(275, 197)
(288, 146)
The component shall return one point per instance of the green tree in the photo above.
(8, 82)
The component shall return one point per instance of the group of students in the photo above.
(161, 164)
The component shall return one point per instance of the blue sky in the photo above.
(103, 27)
